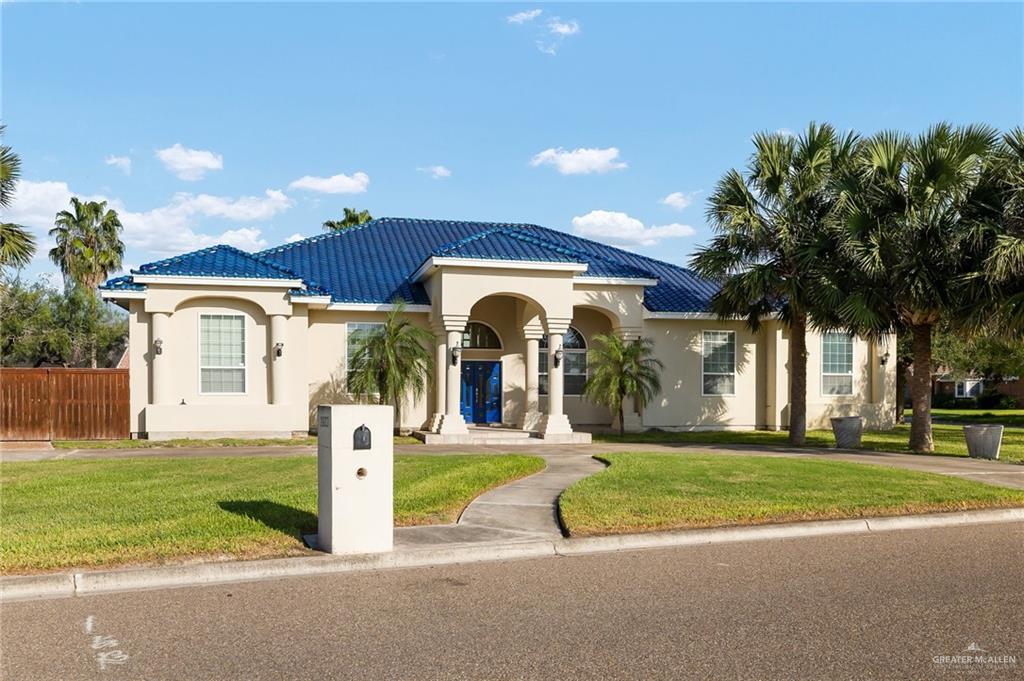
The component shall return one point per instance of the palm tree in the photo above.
(620, 369)
(391, 361)
(1004, 234)
(910, 209)
(771, 250)
(17, 245)
(89, 243)
(352, 218)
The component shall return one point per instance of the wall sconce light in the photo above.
(158, 346)
(456, 353)
(559, 354)
(884, 359)
(182, 403)
(278, 349)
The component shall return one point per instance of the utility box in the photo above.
(355, 478)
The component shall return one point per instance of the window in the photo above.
(718, 375)
(480, 336)
(574, 363)
(221, 354)
(355, 332)
(836, 363)
(970, 387)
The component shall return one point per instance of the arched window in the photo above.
(574, 364)
(480, 336)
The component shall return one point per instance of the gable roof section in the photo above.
(374, 262)
(503, 243)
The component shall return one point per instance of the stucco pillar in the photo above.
(278, 380)
(633, 421)
(160, 380)
(441, 361)
(531, 416)
(453, 423)
(555, 422)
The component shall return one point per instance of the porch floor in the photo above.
(500, 435)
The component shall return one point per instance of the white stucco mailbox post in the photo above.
(355, 478)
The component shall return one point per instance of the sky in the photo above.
(251, 124)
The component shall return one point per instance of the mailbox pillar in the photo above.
(355, 478)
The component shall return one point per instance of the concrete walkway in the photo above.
(522, 511)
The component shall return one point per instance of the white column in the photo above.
(440, 373)
(160, 381)
(278, 382)
(531, 409)
(555, 421)
(453, 423)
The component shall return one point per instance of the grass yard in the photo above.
(218, 442)
(649, 492)
(87, 513)
(949, 439)
(1013, 418)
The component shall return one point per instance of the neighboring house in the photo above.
(227, 342)
(966, 388)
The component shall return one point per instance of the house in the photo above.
(224, 342)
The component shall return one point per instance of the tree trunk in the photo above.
(901, 388)
(622, 421)
(798, 380)
(921, 390)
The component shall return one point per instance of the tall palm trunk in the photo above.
(798, 379)
(921, 389)
(622, 418)
(901, 388)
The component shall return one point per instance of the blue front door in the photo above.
(481, 392)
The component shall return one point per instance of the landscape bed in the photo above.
(179, 443)
(949, 439)
(90, 513)
(650, 492)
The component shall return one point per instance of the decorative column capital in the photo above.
(628, 333)
(533, 331)
(559, 325)
(454, 322)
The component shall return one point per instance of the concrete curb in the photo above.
(65, 585)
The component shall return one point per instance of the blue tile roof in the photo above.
(124, 283)
(374, 262)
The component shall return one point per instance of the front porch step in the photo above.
(483, 435)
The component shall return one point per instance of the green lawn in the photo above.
(218, 442)
(59, 514)
(647, 492)
(949, 439)
(1006, 417)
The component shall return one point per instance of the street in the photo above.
(886, 605)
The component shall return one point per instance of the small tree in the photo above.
(353, 218)
(620, 369)
(391, 361)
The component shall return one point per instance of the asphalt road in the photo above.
(846, 607)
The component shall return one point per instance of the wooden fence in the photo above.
(64, 404)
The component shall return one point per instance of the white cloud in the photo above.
(523, 17)
(122, 163)
(436, 172)
(294, 237)
(166, 230)
(580, 161)
(336, 184)
(622, 229)
(679, 200)
(189, 164)
(563, 28)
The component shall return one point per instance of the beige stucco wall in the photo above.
(326, 350)
(316, 340)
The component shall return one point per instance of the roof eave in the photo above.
(433, 262)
